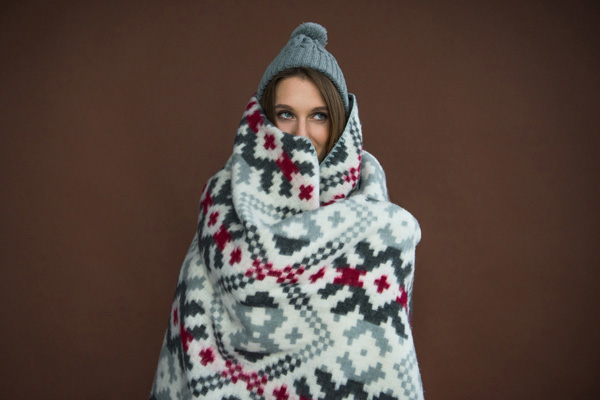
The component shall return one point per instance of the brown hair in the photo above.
(333, 100)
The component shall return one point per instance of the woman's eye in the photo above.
(320, 116)
(285, 115)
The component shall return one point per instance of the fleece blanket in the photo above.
(298, 282)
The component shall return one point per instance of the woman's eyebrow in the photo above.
(286, 107)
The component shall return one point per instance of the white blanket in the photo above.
(298, 282)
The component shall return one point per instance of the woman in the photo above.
(322, 120)
(298, 282)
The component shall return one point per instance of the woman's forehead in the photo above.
(295, 91)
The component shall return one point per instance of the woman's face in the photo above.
(300, 110)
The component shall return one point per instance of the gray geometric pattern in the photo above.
(363, 328)
(370, 375)
(412, 387)
(298, 281)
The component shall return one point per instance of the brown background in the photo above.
(485, 115)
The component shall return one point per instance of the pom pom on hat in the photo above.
(306, 49)
(314, 31)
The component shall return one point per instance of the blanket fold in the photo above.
(298, 282)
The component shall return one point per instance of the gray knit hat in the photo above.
(306, 49)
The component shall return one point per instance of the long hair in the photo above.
(333, 101)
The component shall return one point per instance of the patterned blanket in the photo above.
(298, 282)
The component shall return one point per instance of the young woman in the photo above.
(298, 282)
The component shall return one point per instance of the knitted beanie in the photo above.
(306, 49)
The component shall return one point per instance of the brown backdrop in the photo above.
(485, 116)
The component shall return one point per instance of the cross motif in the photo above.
(317, 275)
(269, 142)
(293, 336)
(382, 283)
(254, 121)
(350, 276)
(281, 393)
(287, 166)
(305, 192)
(207, 356)
(236, 256)
(336, 219)
(403, 298)
(213, 218)
(206, 202)
(222, 237)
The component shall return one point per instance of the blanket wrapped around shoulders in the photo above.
(298, 282)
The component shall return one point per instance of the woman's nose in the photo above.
(301, 129)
